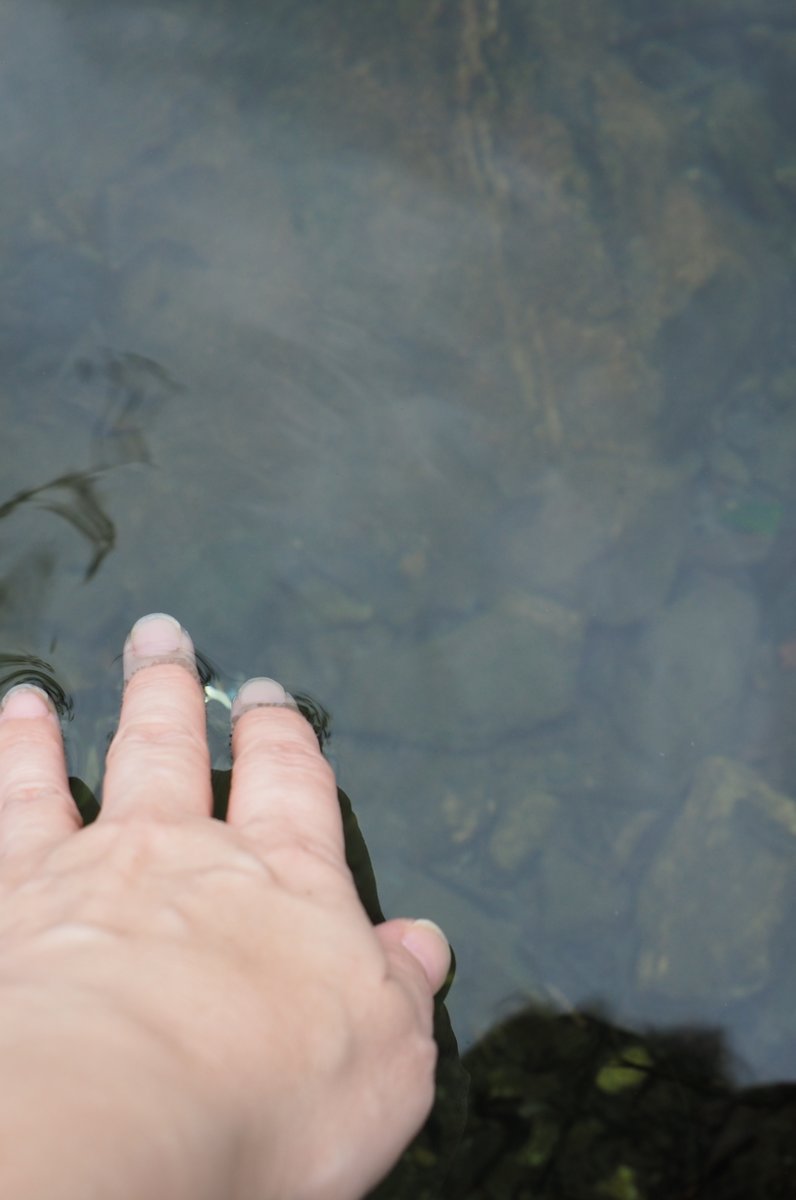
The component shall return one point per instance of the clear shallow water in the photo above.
(436, 360)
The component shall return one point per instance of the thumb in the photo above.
(426, 943)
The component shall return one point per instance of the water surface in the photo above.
(436, 359)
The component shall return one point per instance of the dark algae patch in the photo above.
(569, 1105)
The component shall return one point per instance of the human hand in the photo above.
(189, 1007)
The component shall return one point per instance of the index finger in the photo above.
(283, 792)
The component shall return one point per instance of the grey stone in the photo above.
(579, 889)
(520, 830)
(606, 538)
(634, 578)
(713, 901)
(678, 696)
(499, 673)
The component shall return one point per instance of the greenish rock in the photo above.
(628, 1070)
(751, 515)
(622, 1185)
(713, 901)
(541, 1144)
(734, 525)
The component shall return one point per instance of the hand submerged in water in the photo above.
(189, 1007)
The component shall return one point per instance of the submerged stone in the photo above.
(520, 829)
(498, 673)
(678, 695)
(714, 899)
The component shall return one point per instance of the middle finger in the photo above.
(158, 764)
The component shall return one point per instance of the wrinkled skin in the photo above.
(206, 1000)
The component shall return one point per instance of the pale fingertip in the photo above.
(261, 692)
(426, 942)
(158, 764)
(156, 633)
(156, 639)
(27, 701)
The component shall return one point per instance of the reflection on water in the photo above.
(16, 669)
(74, 498)
(451, 379)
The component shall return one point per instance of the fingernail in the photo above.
(416, 941)
(261, 693)
(424, 923)
(155, 639)
(26, 700)
(157, 633)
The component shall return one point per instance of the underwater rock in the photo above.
(678, 695)
(546, 538)
(579, 889)
(606, 537)
(742, 137)
(634, 577)
(499, 673)
(714, 898)
(520, 829)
